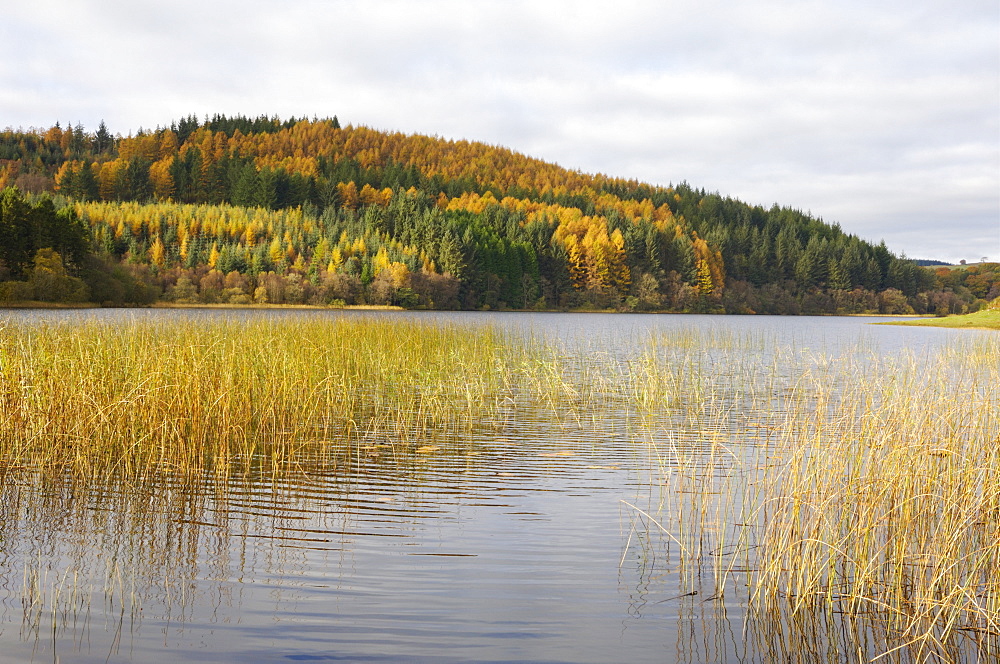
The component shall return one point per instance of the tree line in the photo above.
(349, 214)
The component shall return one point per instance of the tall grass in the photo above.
(860, 502)
(887, 504)
(176, 396)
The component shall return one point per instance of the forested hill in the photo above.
(264, 210)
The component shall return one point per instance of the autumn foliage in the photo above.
(348, 213)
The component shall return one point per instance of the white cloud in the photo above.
(881, 116)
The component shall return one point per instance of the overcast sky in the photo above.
(881, 115)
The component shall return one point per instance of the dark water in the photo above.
(522, 546)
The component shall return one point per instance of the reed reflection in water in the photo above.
(431, 555)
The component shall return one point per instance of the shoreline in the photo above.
(35, 304)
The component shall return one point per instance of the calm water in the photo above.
(519, 546)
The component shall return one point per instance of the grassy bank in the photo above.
(988, 319)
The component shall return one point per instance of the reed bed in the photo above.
(887, 505)
(858, 498)
(176, 396)
(700, 402)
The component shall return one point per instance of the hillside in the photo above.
(264, 210)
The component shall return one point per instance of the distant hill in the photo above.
(238, 209)
(923, 262)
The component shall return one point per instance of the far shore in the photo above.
(197, 305)
(987, 320)
(35, 304)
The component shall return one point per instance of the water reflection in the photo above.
(383, 542)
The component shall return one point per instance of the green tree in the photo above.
(838, 278)
(87, 187)
(103, 141)
(449, 256)
(132, 183)
(26, 227)
(15, 231)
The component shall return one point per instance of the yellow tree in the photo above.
(713, 263)
(703, 279)
(336, 259)
(163, 181)
(380, 261)
(54, 134)
(621, 277)
(157, 253)
(106, 179)
(168, 145)
(386, 195)
(595, 246)
(400, 274)
(348, 195)
(275, 251)
(7, 174)
(321, 252)
(577, 264)
(369, 196)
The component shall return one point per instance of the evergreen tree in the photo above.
(103, 142)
